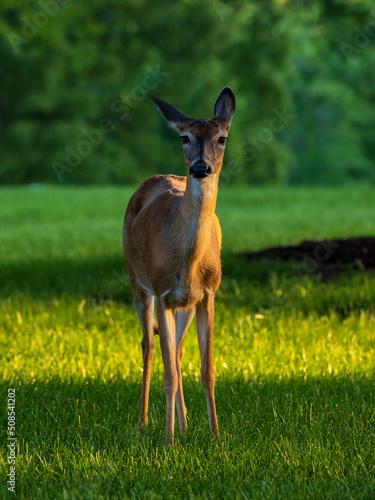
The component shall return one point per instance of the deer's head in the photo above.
(203, 141)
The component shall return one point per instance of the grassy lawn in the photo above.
(294, 356)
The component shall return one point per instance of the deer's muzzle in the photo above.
(200, 170)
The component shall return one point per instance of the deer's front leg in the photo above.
(205, 327)
(183, 320)
(167, 334)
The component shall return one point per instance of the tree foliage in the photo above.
(72, 106)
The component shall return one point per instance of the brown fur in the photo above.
(156, 256)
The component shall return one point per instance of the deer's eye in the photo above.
(185, 139)
(222, 140)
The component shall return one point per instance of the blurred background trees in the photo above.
(72, 75)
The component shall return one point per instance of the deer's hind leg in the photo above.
(183, 319)
(144, 304)
(167, 333)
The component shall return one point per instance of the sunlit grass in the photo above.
(294, 356)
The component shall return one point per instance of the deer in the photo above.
(172, 242)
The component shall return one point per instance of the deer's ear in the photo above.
(173, 116)
(225, 106)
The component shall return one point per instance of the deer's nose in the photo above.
(200, 170)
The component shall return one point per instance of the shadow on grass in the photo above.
(104, 414)
(318, 429)
(106, 276)
(102, 278)
(255, 283)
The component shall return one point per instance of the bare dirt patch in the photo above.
(327, 255)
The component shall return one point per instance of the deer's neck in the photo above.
(195, 218)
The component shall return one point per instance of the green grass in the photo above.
(294, 356)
